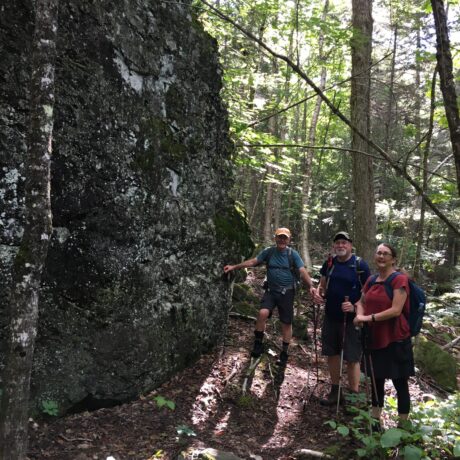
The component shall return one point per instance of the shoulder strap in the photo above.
(290, 258)
(387, 283)
(330, 268)
(270, 253)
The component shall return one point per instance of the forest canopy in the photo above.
(294, 155)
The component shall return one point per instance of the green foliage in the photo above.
(163, 402)
(245, 401)
(433, 432)
(50, 407)
(185, 430)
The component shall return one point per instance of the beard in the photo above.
(341, 252)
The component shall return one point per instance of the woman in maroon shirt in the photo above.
(389, 345)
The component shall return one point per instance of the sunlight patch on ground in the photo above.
(222, 424)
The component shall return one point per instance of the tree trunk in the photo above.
(307, 172)
(363, 186)
(31, 257)
(447, 81)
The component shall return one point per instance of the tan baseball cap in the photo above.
(283, 231)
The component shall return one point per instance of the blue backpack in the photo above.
(417, 301)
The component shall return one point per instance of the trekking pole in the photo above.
(366, 375)
(315, 338)
(344, 330)
(371, 367)
(306, 387)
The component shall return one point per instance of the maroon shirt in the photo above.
(391, 330)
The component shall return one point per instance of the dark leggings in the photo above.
(402, 390)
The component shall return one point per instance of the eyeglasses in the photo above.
(384, 254)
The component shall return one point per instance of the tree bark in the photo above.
(447, 81)
(307, 169)
(363, 173)
(32, 253)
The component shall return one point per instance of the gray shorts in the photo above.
(284, 303)
(331, 340)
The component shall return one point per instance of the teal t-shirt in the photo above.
(279, 273)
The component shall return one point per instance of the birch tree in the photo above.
(32, 253)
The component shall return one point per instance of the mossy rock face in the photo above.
(232, 229)
(444, 287)
(437, 363)
(443, 274)
(246, 308)
(242, 292)
(143, 219)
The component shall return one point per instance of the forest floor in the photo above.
(210, 413)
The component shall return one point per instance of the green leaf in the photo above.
(390, 438)
(184, 429)
(50, 407)
(411, 452)
(331, 423)
(457, 448)
(343, 430)
(171, 404)
(162, 401)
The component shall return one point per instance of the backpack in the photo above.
(417, 301)
(294, 270)
(331, 266)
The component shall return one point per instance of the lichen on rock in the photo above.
(141, 174)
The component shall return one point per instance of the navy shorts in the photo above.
(331, 340)
(284, 303)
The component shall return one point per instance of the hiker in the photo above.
(342, 278)
(282, 262)
(386, 320)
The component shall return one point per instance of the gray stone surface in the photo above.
(143, 223)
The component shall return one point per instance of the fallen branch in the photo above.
(452, 344)
(234, 314)
(304, 454)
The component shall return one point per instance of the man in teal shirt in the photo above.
(281, 261)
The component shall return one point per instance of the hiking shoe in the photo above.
(283, 359)
(331, 399)
(258, 349)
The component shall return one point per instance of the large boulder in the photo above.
(141, 173)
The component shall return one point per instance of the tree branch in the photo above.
(305, 99)
(344, 149)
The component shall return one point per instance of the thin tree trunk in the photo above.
(447, 80)
(307, 170)
(32, 253)
(363, 174)
(426, 150)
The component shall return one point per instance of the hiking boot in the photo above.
(283, 359)
(331, 399)
(258, 349)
